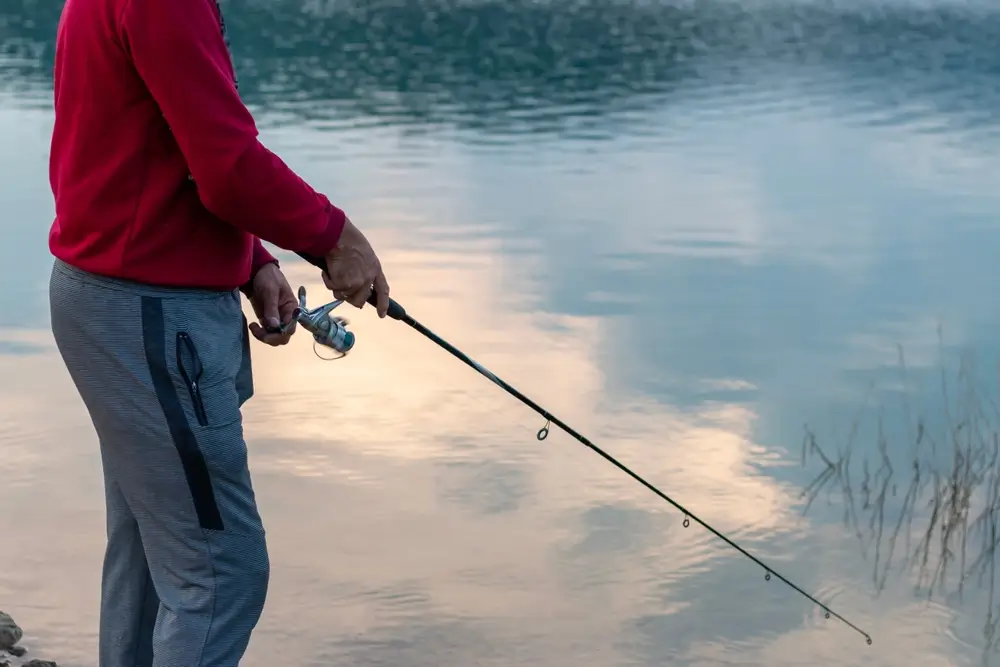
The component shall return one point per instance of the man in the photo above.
(162, 196)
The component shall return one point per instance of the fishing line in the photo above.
(398, 313)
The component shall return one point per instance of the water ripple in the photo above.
(684, 227)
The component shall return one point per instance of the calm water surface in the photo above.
(696, 231)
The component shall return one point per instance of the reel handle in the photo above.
(396, 311)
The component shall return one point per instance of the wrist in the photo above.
(259, 258)
(249, 287)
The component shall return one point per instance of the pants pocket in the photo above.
(214, 396)
(191, 370)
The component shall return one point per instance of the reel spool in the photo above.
(327, 330)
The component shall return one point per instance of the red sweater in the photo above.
(155, 165)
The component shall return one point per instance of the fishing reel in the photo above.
(327, 330)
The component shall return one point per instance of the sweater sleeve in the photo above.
(178, 50)
(261, 257)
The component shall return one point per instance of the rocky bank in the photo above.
(11, 654)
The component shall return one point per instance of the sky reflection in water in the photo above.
(687, 244)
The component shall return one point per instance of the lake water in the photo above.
(702, 233)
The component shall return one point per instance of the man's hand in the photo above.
(353, 270)
(273, 302)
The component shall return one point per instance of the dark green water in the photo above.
(696, 231)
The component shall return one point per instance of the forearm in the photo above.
(261, 195)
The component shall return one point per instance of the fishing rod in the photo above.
(331, 332)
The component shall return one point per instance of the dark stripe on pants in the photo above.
(244, 379)
(195, 468)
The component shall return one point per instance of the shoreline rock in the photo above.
(10, 634)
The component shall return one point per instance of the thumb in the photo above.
(269, 307)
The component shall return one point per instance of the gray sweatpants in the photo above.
(163, 373)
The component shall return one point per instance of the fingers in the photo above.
(350, 270)
(272, 338)
(286, 309)
(359, 297)
(287, 330)
(381, 289)
(269, 316)
(353, 276)
(274, 304)
(354, 292)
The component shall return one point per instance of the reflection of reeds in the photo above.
(945, 530)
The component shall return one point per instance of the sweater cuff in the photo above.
(261, 258)
(328, 239)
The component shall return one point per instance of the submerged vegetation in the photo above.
(921, 488)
